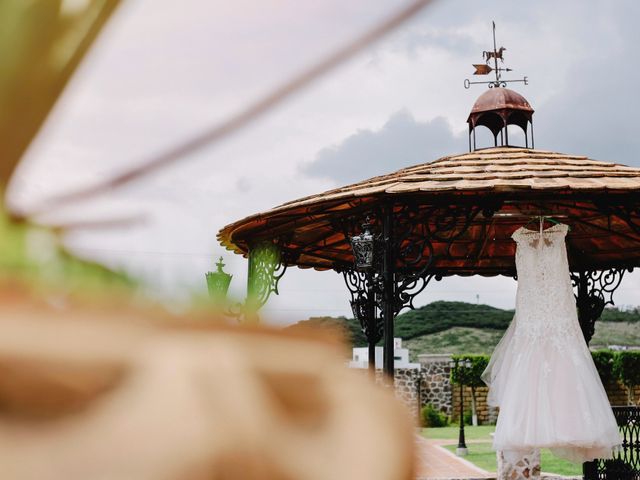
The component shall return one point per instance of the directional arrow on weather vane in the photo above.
(482, 69)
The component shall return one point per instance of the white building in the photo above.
(360, 357)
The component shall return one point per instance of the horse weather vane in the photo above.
(492, 56)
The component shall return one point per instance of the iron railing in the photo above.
(626, 462)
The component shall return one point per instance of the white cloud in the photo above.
(163, 70)
(401, 142)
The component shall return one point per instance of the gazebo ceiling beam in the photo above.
(295, 232)
(333, 248)
(329, 258)
(584, 207)
(606, 231)
(309, 246)
(602, 207)
(281, 223)
(319, 210)
(630, 214)
(286, 227)
(318, 241)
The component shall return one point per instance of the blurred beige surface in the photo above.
(99, 394)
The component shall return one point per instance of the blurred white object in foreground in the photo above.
(117, 397)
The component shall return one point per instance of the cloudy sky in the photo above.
(163, 70)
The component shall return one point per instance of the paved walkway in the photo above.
(436, 462)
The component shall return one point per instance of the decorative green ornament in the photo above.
(218, 283)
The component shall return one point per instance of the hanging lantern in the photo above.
(363, 246)
(218, 282)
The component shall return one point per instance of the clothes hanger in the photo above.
(531, 220)
(552, 220)
(542, 219)
(556, 222)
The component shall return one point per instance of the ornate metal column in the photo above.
(594, 291)
(399, 262)
(365, 306)
(388, 289)
(373, 286)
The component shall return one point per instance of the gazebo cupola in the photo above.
(496, 109)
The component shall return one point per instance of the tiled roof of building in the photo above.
(516, 175)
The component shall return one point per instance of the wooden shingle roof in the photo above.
(525, 181)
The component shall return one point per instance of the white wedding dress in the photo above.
(541, 374)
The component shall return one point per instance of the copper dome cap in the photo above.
(500, 99)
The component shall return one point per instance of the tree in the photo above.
(603, 360)
(470, 376)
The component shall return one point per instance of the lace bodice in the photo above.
(545, 304)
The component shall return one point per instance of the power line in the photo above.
(244, 117)
(143, 252)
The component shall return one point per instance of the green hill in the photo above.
(348, 327)
(460, 327)
(440, 316)
(455, 340)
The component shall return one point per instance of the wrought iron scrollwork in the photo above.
(594, 291)
(417, 230)
(266, 268)
(625, 464)
(351, 225)
(628, 211)
(408, 234)
(365, 303)
(408, 288)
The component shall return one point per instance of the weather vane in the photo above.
(486, 69)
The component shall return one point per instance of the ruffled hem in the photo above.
(558, 404)
(572, 453)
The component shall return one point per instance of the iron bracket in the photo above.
(594, 290)
(266, 268)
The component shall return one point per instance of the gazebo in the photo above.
(393, 234)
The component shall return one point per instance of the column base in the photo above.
(462, 452)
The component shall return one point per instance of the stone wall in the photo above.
(436, 389)
(406, 382)
(436, 385)
(618, 395)
(406, 387)
(616, 392)
(486, 414)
